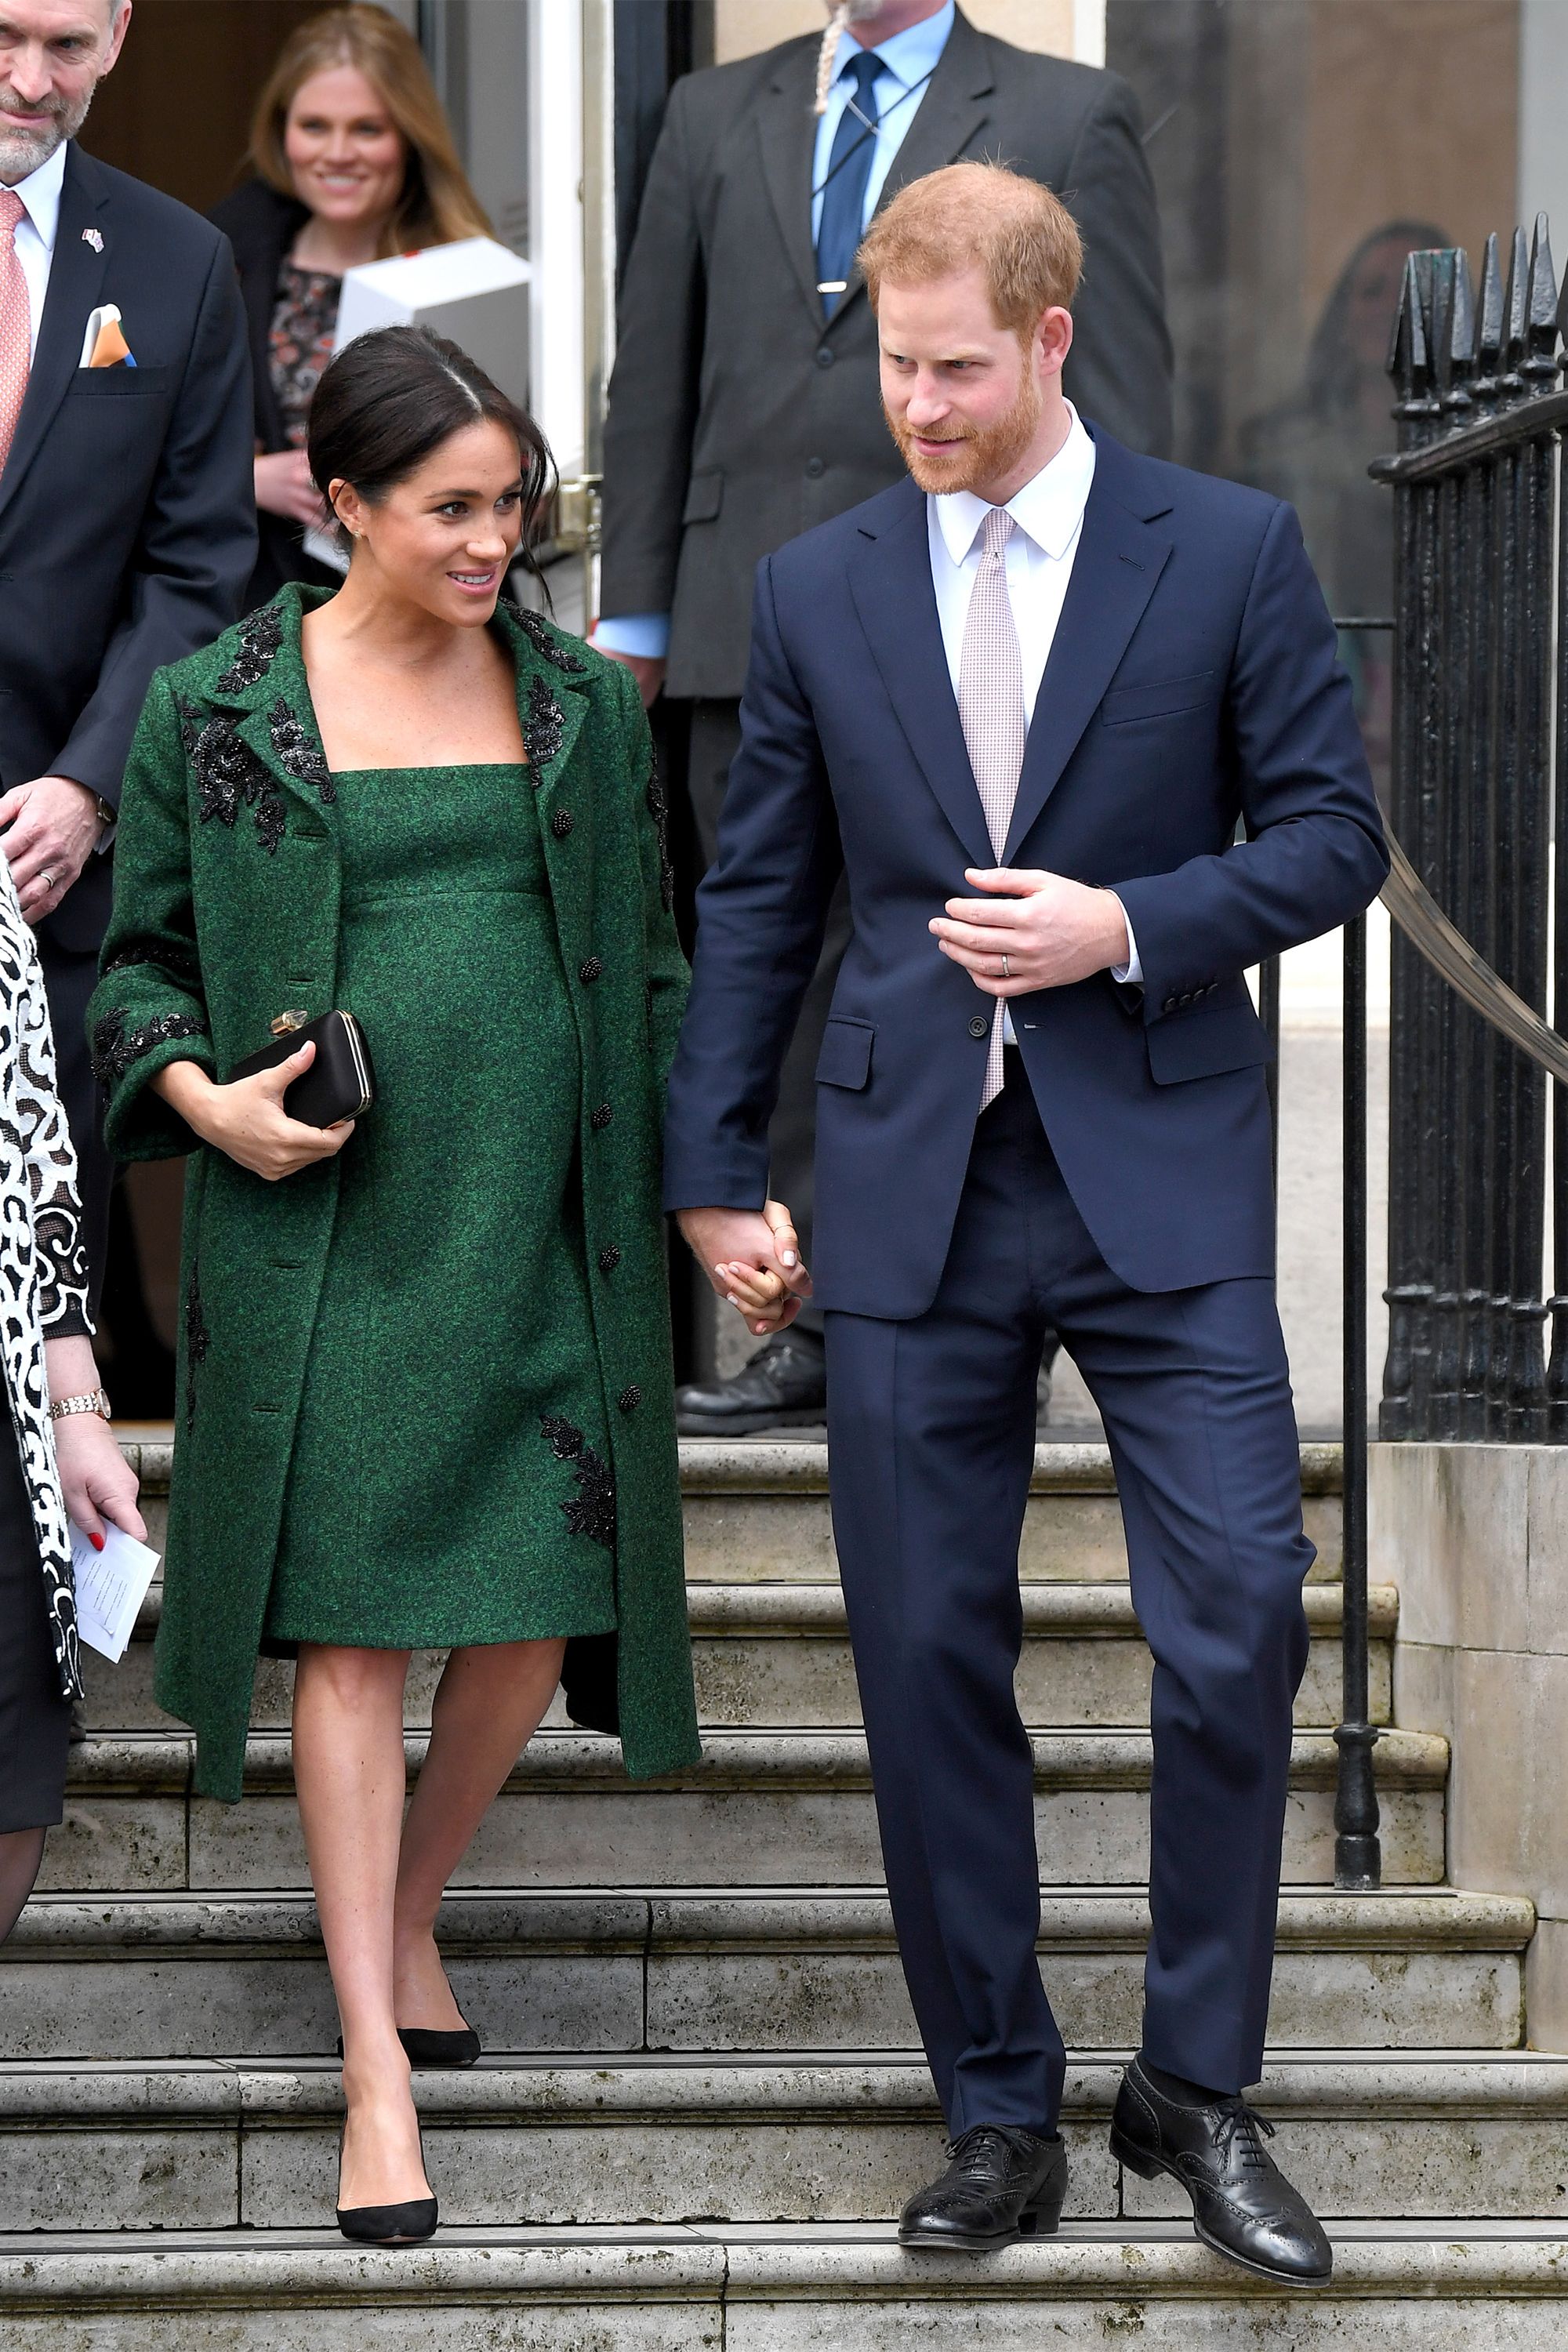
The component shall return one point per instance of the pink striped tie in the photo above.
(991, 713)
(16, 323)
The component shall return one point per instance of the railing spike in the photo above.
(1440, 318)
(1540, 307)
(1461, 335)
(1489, 323)
(1515, 319)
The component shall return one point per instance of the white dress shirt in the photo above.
(906, 63)
(35, 231)
(1048, 513)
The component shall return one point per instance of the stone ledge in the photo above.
(715, 1465)
(1333, 2085)
(574, 1761)
(266, 2271)
(283, 1927)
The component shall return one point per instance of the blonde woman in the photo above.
(353, 160)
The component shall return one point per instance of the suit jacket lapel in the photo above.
(787, 131)
(953, 111)
(1119, 558)
(891, 584)
(76, 287)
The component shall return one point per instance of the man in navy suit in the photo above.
(1023, 702)
(127, 511)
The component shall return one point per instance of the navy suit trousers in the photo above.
(932, 1434)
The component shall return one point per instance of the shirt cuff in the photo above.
(1131, 972)
(646, 635)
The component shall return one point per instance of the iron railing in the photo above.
(1474, 802)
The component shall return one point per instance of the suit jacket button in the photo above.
(591, 969)
(979, 1026)
(1169, 1005)
(824, 356)
(601, 1119)
(629, 1398)
(561, 824)
(609, 1259)
(815, 468)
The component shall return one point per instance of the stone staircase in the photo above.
(702, 2104)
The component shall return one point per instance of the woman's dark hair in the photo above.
(393, 396)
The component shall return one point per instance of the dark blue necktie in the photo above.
(843, 190)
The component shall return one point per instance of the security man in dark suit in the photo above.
(127, 520)
(743, 407)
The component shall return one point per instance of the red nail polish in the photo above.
(97, 1542)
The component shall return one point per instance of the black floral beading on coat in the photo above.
(298, 750)
(258, 642)
(542, 729)
(659, 809)
(592, 1510)
(198, 1341)
(543, 638)
(229, 775)
(114, 1049)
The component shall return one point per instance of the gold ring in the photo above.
(1006, 973)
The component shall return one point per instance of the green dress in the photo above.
(448, 1483)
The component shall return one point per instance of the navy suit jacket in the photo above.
(127, 505)
(1193, 685)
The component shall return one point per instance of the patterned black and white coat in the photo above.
(43, 1266)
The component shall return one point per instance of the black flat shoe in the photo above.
(1242, 2205)
(388, 2225)
(783, 1386)
(425, 2047)
(1001, 2184)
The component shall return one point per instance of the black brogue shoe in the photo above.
(785, 1386)
(1001, 2184)
(1242, 2205)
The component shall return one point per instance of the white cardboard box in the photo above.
(475, 292)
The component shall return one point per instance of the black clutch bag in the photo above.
(340, 1082)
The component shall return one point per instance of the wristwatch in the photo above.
(96, 1400)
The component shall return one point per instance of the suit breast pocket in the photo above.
(1163, 699)
(846, 1056)
(121, 382)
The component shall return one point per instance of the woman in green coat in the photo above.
(426, 1384)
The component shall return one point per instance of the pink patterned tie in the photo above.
(16, 323)
(991, 713)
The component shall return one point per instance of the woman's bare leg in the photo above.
(21, 1853)
(489, 1704)
(350, 1774)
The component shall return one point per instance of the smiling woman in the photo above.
(427, 1399)
(354, 159)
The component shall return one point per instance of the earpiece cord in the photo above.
(870, 132)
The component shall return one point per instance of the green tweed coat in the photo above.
(226, 912)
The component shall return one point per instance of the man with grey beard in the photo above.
(744, 407)
(127, 522)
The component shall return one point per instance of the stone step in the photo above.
(156, 1976)
(777, 1656)
(756, 1510)
(209, 2146)
(1397, 2287)
(763, 1808)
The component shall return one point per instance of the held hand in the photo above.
(283, 487)
(247, 1119)
(95, 1477)
(52, 828)
(751, 1257)
(649, 675)
(1050, 930)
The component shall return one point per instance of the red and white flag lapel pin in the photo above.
(94, 236)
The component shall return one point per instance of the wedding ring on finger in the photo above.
(1006, 973)
(48, 882)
